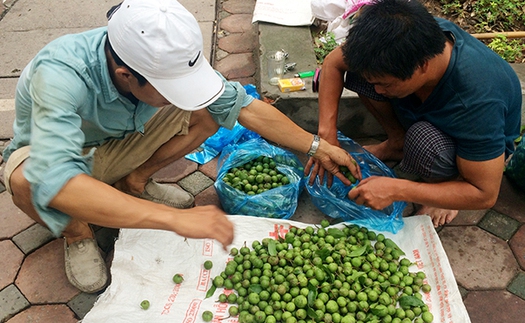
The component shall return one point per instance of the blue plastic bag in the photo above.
(279, 202)
(335, 203)
(213, 146)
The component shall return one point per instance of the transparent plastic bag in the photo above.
(335, 203)
(279, 202)
(515, 169)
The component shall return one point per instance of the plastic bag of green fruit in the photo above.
(335, 203)
(258, 179)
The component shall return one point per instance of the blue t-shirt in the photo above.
(477, 102)
(65, 101)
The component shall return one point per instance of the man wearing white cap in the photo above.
(88, 129)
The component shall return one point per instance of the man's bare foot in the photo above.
(387, 150)
(439, 216)
(130, 185)
(76, 231)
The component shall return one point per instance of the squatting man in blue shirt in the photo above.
(98, 113)
(450, 107)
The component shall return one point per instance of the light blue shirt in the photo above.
(65, 101)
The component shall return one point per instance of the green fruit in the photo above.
(426, 288)
(218, 282)
(233, 310)
(177, 279)
(427, 317)
(355, 276)
(144, 304)
(208, 264)
(300, 301)
(207, 316)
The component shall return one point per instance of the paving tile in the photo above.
(517, 244)
(11, 302)
(42, 278)
(210, 168)
(12, 257)
(494, 306)
(175, 171)
(195, 183)
(6, 119)
(238, 23)
(468, 217)
(478, 259)
(220, 54)
(202, 10)
(499, 224)
(82, 304)
(236, 43)
(463, 291)
(239, 6)
(511, 201)
(7, 94)
(236, 66)
(32, 238)
(208, 197)
(12, 218)
(517, 286)
(45, 314)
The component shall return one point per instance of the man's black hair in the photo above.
(141, 79)
(392, 37)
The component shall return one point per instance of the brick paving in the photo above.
(486, 248)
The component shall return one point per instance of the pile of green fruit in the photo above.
(256, 176)
(323, 274)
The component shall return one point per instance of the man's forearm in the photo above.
(92, 201)
(457, 195)
(273, 125)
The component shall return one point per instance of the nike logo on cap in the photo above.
(191, 63)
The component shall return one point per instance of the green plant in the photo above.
(487, 15)
(324, 43)
(499, 14)
(452, 8)
(491, 16)
(510, 50)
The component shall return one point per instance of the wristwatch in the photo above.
(314, 146)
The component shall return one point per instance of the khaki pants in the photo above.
(118, 157)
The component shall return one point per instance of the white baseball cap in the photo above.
(162, 41)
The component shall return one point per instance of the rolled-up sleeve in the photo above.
(225, 110)
(56, 139)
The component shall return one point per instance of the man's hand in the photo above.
(203, 222)
(329, 157)
(374, 192)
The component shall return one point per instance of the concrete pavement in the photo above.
(486, 248)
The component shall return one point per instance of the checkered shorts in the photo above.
(429, 152)
(359, 85)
